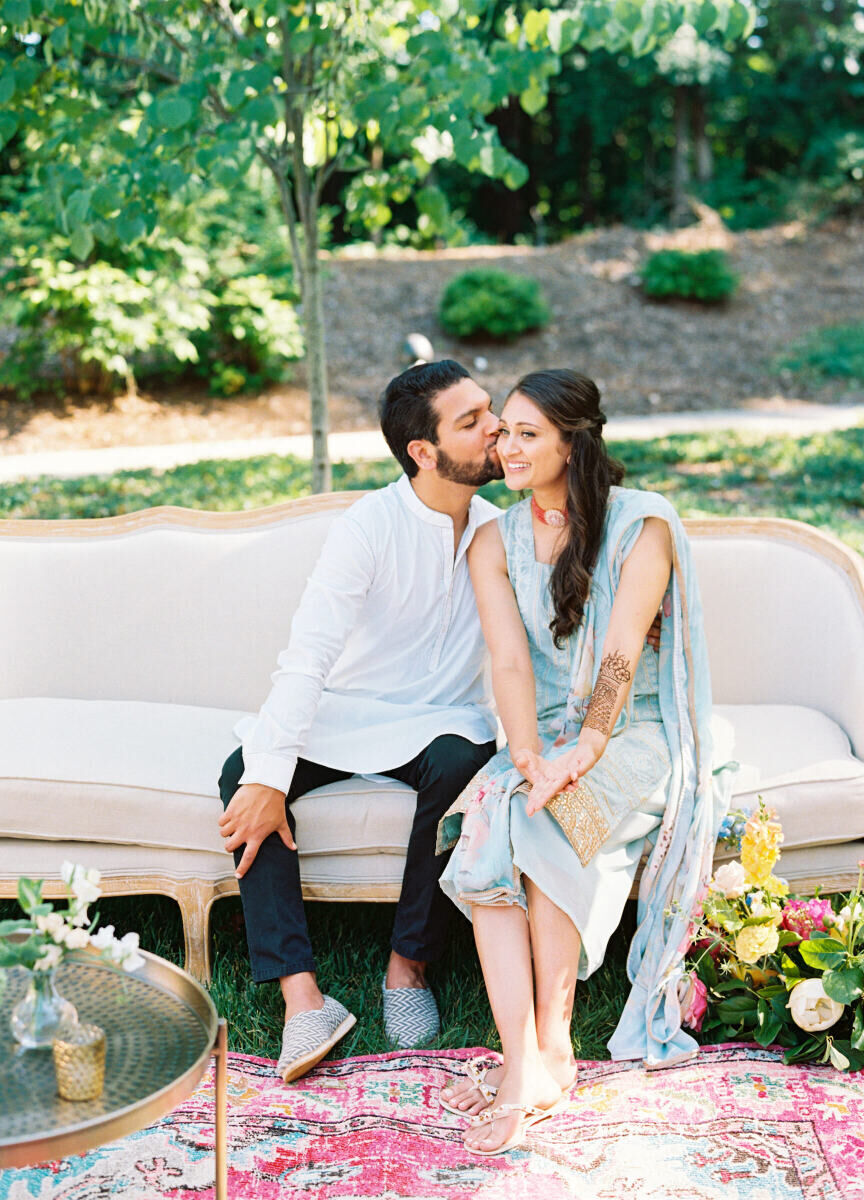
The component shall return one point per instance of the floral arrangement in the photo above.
(768, 967)
(42, 940)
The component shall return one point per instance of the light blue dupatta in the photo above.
(680, 863)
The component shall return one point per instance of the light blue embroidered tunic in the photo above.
(655, 780)
(627, 786)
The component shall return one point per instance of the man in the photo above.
(384, 673)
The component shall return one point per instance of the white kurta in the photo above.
(386, 651)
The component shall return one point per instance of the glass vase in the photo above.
(42, 1014)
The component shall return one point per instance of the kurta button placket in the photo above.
(448, 571)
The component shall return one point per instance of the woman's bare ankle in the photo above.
(560, 1063)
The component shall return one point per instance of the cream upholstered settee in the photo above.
(131, 645)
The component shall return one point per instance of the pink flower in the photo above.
(803, 916)
(693, 999)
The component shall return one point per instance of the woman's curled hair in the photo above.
(572, 403)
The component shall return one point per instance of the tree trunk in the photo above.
(681, 167)
(701, 144)
(316, 355)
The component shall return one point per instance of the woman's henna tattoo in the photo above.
(614, 673)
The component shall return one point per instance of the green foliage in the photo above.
(152, 310)
(493, 303)
(251, 336)
(704, 275)
(83, 327)
(835, 352)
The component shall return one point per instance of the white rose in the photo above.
(51, 956)
(812, 1009)
(730, 879)
(104, 938)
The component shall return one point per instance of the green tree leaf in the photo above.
(81, 242)
(173, 112)
(7, 86)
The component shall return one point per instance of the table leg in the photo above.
(221, 1100)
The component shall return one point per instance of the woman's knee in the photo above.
(229, 780)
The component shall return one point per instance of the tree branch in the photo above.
(286, 201)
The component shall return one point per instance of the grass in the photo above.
(816, 479)
(834, 352)
(350, 967)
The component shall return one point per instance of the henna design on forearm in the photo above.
(613, 675)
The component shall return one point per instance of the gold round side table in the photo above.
(161, 1028)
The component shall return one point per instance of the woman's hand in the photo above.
(548, 778)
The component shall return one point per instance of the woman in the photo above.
(606, 741)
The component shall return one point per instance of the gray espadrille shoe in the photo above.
(308, 1036)
(410, 1016)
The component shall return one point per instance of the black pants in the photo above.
(270, 890)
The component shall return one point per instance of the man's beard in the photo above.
(471, 474)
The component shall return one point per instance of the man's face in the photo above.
(467, 434)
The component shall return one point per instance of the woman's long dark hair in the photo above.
(572, 403)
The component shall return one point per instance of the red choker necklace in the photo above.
(555, 517)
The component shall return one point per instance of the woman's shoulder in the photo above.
(515, 513)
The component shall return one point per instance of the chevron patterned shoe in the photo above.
(410, 1016)
(308, 1036)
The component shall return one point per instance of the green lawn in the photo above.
(818, 479)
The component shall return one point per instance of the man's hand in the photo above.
(653, 635)
(254, 813)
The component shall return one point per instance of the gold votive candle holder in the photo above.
(79, 1062)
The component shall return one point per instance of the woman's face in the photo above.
(531, 449)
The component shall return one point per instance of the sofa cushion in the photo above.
(799, 761)
(136, 773)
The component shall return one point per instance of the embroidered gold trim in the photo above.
(578, 813)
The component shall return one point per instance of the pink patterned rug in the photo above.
(736, 1123)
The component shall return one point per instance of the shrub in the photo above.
(836, 352)
(82, 327)
(705, 275)
(494, 303)
(253, 333)
(92, 327)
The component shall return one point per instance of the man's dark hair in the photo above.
(406, 408)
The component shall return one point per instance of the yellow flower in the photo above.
(774, 886)
(760, 844)
(755, 941)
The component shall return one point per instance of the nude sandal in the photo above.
(478, 1077)
(532, 1116)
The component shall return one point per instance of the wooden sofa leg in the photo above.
(195, 899)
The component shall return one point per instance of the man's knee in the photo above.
(452, 761)
(229, 780)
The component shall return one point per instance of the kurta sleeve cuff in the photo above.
(270, 770)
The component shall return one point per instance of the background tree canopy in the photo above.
(187, 160)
